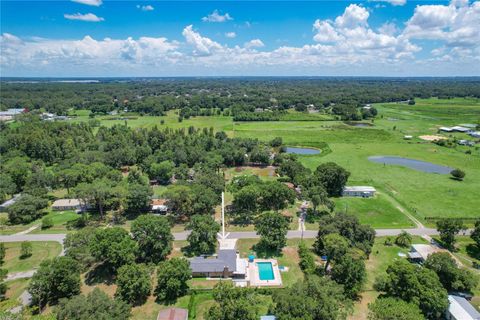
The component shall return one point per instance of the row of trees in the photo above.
(157, 96)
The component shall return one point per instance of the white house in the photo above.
(359, 191)
(67, 204)
(461, 309)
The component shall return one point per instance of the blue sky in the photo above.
(210, 38)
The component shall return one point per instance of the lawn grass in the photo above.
(60, 220)
(377, 212)
(40, 252)
(14, 289)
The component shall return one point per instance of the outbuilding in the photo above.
(159, 206)
(8, 203)
(359, 191)
(173, 314)
(420, 252)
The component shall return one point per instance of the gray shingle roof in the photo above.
(225, 258)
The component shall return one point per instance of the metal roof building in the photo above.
(461, 309)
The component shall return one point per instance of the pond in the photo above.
(412, 164)
(302, 150)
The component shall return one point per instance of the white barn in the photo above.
(359, 191)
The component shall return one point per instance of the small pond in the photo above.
(302, 150)
(412, 164)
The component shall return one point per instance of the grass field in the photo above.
(422, 194)
(40, 251)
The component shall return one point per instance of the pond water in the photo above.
(302, 150)
(412, 164)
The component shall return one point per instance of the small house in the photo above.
(359, 191)
(159, 206)
(461, 309)
(420, 252)
(67, 205)
(226, 264)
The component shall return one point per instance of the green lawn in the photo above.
(40, 252)
(60, 220)
(378, 212)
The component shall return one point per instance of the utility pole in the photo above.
(223, 215)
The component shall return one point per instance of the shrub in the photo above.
(47, 222)
(25, 250)
(457, 174)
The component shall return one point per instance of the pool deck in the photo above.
(254, 275)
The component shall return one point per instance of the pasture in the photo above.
(425, 195)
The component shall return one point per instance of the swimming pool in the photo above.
(265, 271)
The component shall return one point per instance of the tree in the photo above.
(55, 279)
(475, 235)
(26, 209)
(2, 252)
(451, 277)
(457, 174)
(99, 194)
(7, 186)
(138, 197)
(114, 247)
(393, 309)
(133, 284)
(233, 303)
(314, 298)
(276, 142)
(351, 273)
(404, 239)
(203, 236)
(272, 228)
(153, 236)
(77, 247)
(172, 277)
(319, 197)
(274, 195)
(95, 305)
(332, 177)
(358, 235)
(415, 284)
(307, 260)
(26, 250)
(162, 171)
(335, 247)
(47, 223)
(448, 229)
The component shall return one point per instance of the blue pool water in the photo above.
(265, 271)
(302, 150)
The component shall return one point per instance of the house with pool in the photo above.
(228, 264)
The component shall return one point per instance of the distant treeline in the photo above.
(238, 97)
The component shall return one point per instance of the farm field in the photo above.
(425, 195)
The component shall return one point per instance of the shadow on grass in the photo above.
(265, 252)
(100, 274)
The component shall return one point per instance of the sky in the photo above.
(102, 38)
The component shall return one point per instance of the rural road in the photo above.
(292, 234)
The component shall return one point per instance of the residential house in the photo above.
(226, 264)
(359, 191)
(67, 205)
(420, 252)
(461, 309)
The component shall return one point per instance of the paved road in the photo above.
(292, 234)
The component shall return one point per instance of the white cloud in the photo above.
(230, 35)
(145, 8)
(457, 24)
(388, 28)
(90, 17)
(215, 16)
(202, 45)
(255, 43)
(95, 3)
(354, 16)
(393, 2)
